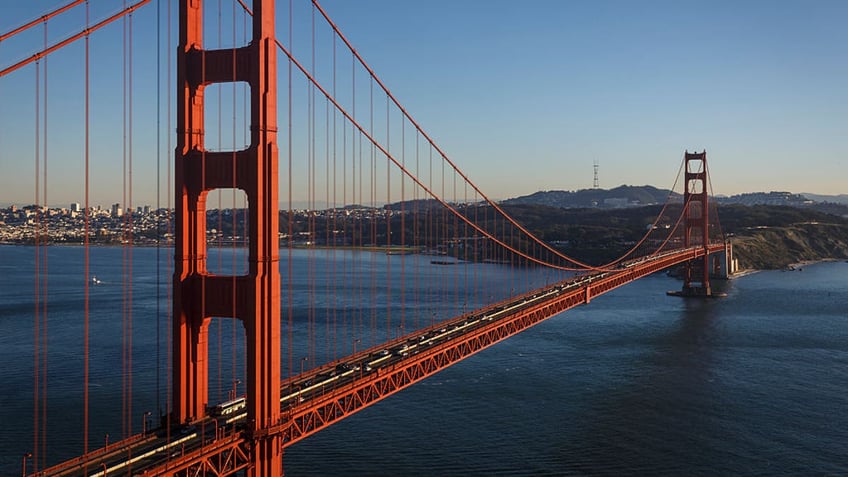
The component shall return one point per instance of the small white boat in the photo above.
(95, 280)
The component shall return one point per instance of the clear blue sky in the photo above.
(524, 96)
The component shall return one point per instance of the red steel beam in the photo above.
(220, 457)
(89, 460)
(41, 19)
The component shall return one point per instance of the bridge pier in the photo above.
(724, 264)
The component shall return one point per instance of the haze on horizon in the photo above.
(522, 96)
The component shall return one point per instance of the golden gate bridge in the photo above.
(323, 136)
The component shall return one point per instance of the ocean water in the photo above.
(634, 383)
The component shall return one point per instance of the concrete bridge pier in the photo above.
(723, 264)
(719, 265)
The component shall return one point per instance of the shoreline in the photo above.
(792, 267)
(805, 263)
(744, 273)
(394, 249)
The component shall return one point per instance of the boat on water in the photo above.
(95, 280)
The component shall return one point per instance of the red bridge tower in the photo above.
(696, 222)
(198, 295)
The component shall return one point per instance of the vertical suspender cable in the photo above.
(388, 213)
(87, 280)
(347, 320)
(328, 300)
(130, 231)
(416, 231)
(445, 228)
(455, 233)
(220, 236)
(124, 426)
(339, 316)
(233, 322)
(246, 140)
(246, 107)
(470, 287)
(373, 224)
(333, 208)
(124, 252)
(311, 199)
(158, 199)
(36, 448)
(403, 227)
(45, 274)
(290, 269)
(428, 230)
(478, 248)
(357, 224)
(168, 218)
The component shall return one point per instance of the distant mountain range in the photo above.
(636, 196)
(837, 199)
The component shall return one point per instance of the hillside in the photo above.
(764, 237)
(621, 196)
(835, 199)
(778, 247)
(637, 196)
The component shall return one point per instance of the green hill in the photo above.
(621, 196)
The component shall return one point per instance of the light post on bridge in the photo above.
(27, 455)
(144, 422)
(300, 388)
(358, 340)
(234, 392)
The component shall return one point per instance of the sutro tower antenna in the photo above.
(595, 184)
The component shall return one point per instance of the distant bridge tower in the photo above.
(253, 298)
(696, 221)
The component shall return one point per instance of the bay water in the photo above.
(636, 382)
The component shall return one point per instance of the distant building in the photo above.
(117, 211)
(75, 207)
(763, 198)
(615, 202)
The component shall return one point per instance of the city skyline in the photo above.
(747, 198)
(521, 98)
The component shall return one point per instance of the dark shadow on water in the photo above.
(662, 418)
